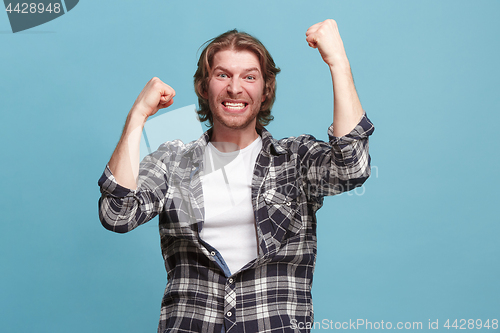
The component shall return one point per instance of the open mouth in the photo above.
(234, 106)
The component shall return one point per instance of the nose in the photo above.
(234, 86)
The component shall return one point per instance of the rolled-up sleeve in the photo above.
(351, 155)
(343, 163)
(122, 209)
(118, 205)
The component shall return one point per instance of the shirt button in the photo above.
(229, 314)
(212, 253)
(288, 203)
(231, 280)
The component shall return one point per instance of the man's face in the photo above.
(235, 89)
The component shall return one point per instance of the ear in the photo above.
(203, 92)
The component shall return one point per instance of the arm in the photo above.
(344, 163)
(122, 207)
(124, 163)
(347, 108)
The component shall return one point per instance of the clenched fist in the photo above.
(155, 95)
(325, 37)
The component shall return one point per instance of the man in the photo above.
(237, 207)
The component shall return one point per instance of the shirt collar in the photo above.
(269, 145)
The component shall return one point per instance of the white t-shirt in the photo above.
(227, 192)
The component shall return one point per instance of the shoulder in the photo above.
(300, 145)
(177, 149)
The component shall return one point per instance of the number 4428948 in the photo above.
(33, 8)
(463, 324)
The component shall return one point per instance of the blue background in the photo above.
(419, 242)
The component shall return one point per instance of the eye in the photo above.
(250, 77)
(222, 75)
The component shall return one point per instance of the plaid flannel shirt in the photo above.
(290, 178)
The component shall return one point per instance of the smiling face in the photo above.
(235, 90)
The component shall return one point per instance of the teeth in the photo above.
(234, 105)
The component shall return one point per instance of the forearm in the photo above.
(325, 37)
(124, 163)
(346, 104)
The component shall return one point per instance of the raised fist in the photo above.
(325, 37)
(155, 95)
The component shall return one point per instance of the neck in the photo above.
(228, 139)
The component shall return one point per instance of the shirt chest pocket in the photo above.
(283, 209)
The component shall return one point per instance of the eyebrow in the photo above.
(245, 70)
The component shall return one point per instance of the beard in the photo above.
(234, 121)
